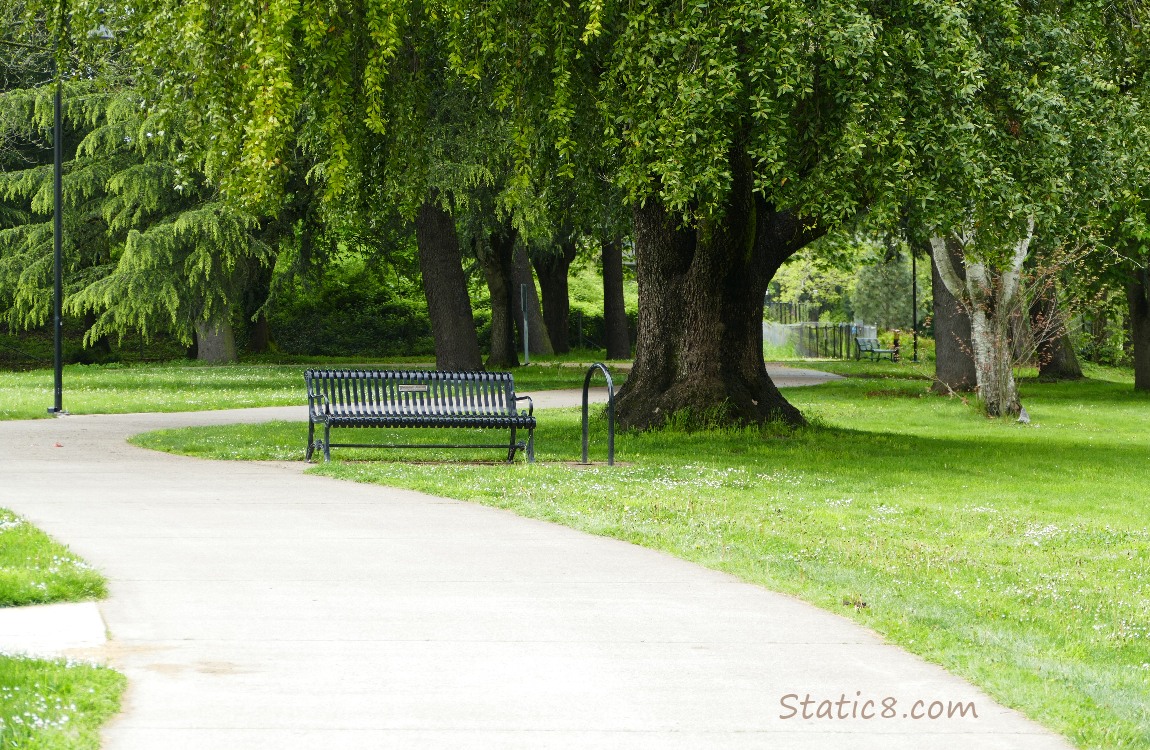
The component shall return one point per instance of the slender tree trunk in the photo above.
(953, 355)
(1138, 297)
(448, 306)
(700, 345)
(496, 260)
(215, 340)
(615, 323)
(552, 268)
(538, 342)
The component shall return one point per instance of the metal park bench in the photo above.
(415, 398)
(871, 347)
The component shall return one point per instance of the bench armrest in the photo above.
(530, 404)
(311, 402)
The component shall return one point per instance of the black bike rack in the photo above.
(610, 411)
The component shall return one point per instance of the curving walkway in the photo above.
(254, 606)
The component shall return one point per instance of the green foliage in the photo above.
(351, 316)
(882, 293)
(148, 245)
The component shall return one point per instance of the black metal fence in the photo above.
(828, 340)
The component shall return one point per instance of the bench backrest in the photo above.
(867, 345)
(411, 392)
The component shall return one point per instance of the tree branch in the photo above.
(946, 269)
(1011, 279)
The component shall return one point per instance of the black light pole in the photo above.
(102, 32)
(57, 242)
(914, 302)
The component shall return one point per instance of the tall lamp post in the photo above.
(102, 32)
(914, 302)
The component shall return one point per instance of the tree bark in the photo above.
(448, 306)
(700, 343)
(215, 340)
(990, 297)
(552, 268)
(1138, 297)
(257, 287)
(616, 326)
(496, 260)
(1056, 358)
(259, 335)
(538, 342)
(953, 358)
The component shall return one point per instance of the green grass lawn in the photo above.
(49, 704)
(186, 386)
(55, 704)
(1015, 556)
(36, 570)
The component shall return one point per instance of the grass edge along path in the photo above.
(49, 704)
(1016, 557)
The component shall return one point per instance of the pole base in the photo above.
(57, 412)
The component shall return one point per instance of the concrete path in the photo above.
(254, 606)
(48, 630)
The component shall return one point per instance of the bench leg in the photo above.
(531, 446)
(512, 447)
(310, 441)
(326, 442)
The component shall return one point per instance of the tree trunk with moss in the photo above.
(700, 343)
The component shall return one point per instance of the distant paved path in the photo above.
(256, 607)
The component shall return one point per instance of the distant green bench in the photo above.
(871, 347)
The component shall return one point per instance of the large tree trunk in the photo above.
(538, 342)
(615, 323)
(700, 345)
(1138, 297)
(953, 357)
(448, 306)
(497, 262)
(1056, 358)
(552, 268)
(215, 340)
